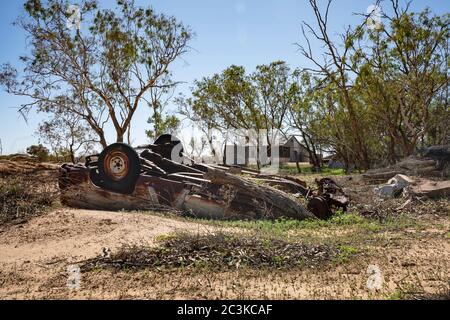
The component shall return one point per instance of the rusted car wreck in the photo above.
(145, 178)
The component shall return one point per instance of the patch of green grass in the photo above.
(396, 295)
(342, 228)
(344, 219)
(346, 253)
(308, 169)
(400, 222)
(165, 237)
(349, 250)
(284, 225)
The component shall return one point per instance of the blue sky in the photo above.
(227, 32)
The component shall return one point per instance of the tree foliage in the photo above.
(101, 71)
(161, 122)
(385, 88)
(372, 97)
(67, 134)
(249, 103)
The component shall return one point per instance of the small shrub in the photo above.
(39, 151)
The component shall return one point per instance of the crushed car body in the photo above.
(145, 178)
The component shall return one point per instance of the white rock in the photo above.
(394, 186)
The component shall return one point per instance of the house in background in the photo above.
(245, 155)
(295, 146)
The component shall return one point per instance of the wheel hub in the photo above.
(116, 165)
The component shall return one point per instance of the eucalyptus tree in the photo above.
(334, 68)
(101, 67)
(255, 104)
(67, 133)
(402, 78)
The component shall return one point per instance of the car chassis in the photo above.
(145, 178)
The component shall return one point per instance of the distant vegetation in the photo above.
(375, 95)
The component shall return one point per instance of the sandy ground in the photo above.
(34, 258)
(74, 235)
(41, 249)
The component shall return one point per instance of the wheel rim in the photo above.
(117, 165)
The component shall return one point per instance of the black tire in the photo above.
(118, 168)
(166, 144)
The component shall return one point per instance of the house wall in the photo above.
(240, 155)
(295, 146)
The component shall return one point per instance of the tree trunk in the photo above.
(72, 154)
(258, 155)
(103, 141)
(297, 156)
(120, 133)
(361, 147)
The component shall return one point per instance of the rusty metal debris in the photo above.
(329, 195)
(146, 178)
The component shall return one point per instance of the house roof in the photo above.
(293, 137)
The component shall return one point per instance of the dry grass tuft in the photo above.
(22, 197)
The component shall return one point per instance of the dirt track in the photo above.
(36, 251)
(73, 235)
